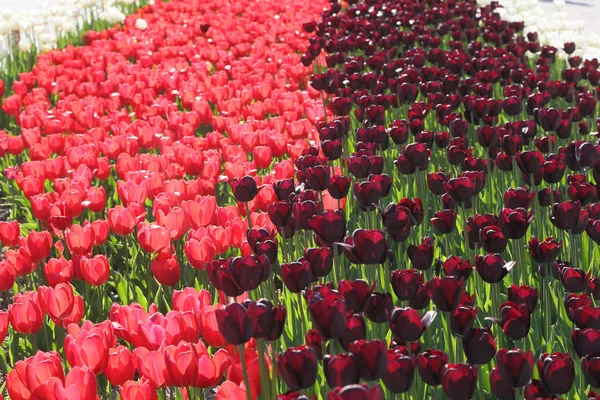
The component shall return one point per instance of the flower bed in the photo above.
(183, 216)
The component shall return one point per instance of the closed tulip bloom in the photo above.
(165, 269)
(557, 372)
(586, 341)
(9, 233)
(280, 213)
(298, 367)
(120, 366)
(153, 238)
(138, 390)
(328, 312)
(79, 380)
(95, 270)
(515, 366)
(88, 348)
(400, 372)
(444, 221)
(446, 292)
(339, 186)
(459, 380)
(407, 325)
(25, 314)
(518, 197)
(514, 222)
(330, 227)
(492, 268)
(121, 220)
(523, 294)
(181, 361)
(80, 240)
(371, 358)
(234, 323)
(479, 345)
(370, 246)
(244, 189)
(152, 366)
(462, 318)
(340, 370)
(499, 387)
(200, 252)
(406, 283)
(267, 321)
(421, 256)
(574, 280)
(320, 260)
(515, 320)
(3, 325)
(296, 276)
(57, 302)
(58, 270)
(7, 276)
(356, 294)
(492, 239)
(431, 364)
(211, 369)
(569, 216)
(544, 251)
(590, 365)
(378, 306)
(39, 245)
(32, 373)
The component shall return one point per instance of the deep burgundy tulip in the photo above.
(400, 372)
(417, 155)
(536, 390)
(515, 366)
(436, 182)
(462, 318)
(317, 177)
(328, 311)
(370, 246)
(356, 329)
(421, 256)
(356, 392)
(340, 370)
(557, 372)
(523, 294)
(544, 252)
(499, 387)
(461, 189)
(455, 266)
(267, 321)
(356, 294)
(397, 221)
(320, 260)
(574, 280)
(590, 365)
(476, 224)
(569, 216)
(407, 325)
(298, 367)
(339, 186)
(586, 341)
(459, 380)
(284, 188)
(378, 306)
(530, 162)
(422, 298)
(245, 189)
(518, 198)
(444, 221)
(234, 324)
(280, 213)
(514, 222)
(548, 118)
(479, 345)
(296, 276)
(515, 320)
(313, 339)
(584, 192)
(585, 316)
(406, 283)
(492, 268)
(371, 358)
(431, 364)
(446, 292)
(415, 206)
(367, 195)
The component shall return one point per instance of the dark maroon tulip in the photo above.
(406, 283)
(221, 276)
(397, 221)
(298, 367)
(328, 311)
(461, 189)
(593, 230)
(446, 292)
(530, 162)
(356, 392)
(356, 329)
(371, 358)
(398, 132)
(245, 189)
(492, 268)
(400, 372)
(569, 216)
(330, 227)
(292, 395)
(421, 256)
(356, 294)
(267, 248)
(462, 318)
(431, 363)
(250, 271)
(586, 341)
(382, 183)
(313, 339)
(476, 224)
(575, 301)
(284, 188)
(436, 182)
(553, 170)
(514, 222)
(548, 118)
(487, 136)
(546, 197)
(318, 177)
(544, 252)
(499, 387)
(304, 211)
(378, 306)
(585, 316)
(267, 321)
(455, 266)
(340, 370)
(415, 206)
(296, 275)
(536, 390)
(593, 288)
(234, 324)
(421, 299)
(584, 192)
(320, 260)
(515, 366)
(590, 365)
(417, 155)
(479, 345)
(557, 372)
(518, 198)
(459, 380)
(279, 213)
(574, 280)
(407, 325)
(444, 221)
(370, 246)
(515, 320)
(523, 294)
(339, 186)
(255, 236)
(367, 195)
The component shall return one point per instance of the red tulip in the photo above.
(152, 366)
(9, 233)
(3, 325)
(119, 366)
(39, 245)
(95, 270)
(59, 270)
(121, 220)
(165, 269)
(7, 276)
(25, 314)
(80, 240)
(182, 363)
(140, 390)
(153, 238)
(57, 302)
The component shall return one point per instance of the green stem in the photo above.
(264, 374)
(245, 372)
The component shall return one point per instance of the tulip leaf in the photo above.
(140, 298)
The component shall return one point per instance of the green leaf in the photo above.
(140, 298)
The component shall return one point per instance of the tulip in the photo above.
(371, 358)
(152, 366)
(58, 270)
(25, 314)
(515, 366)
(165, 269)
(244, 189)
(9, 233)
(586, 341)
(153, 238)
(370, 246)
(267, 322)
(57, 302)
(492, 268)
(590, 365)
(356, 392)
(569, 216)
(378, 306)
(181, 361)
(544, 251)
(328, 311)
(446, 292)
(492, 239)
(462, 318)
(234, 323)
(320, 260)
(557, 372)
(7, 276)
(119, 366)
(499, 387)
(400, 372)
(523, 294)
(459, 380)
(431, 365)
(421, 256)
(479, 345)
(3, 325)
(39, 245)
(298, 367)
(340, 370)
(406, 283)
(95, 270)
(407, 326)
(444, 221)
(121, 220)
(514, 222)
(515, 320)
(355, 330)
(356, 294)
(80, 240)
(329, 227)
(296, 276)
(140, 390)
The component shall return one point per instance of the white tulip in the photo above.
(141, 24)
(24, 45)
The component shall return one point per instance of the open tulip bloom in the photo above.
(299, 200)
